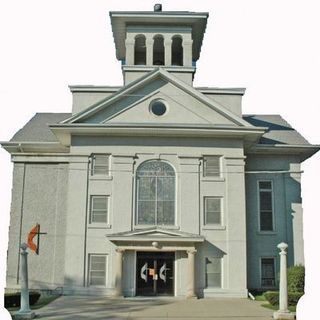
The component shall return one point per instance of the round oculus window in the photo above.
(158, 108)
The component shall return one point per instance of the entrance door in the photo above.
(155, 273)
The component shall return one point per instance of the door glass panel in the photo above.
(155, 273)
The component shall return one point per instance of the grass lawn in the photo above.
(39, 304)
(269, 306)
(261, 297)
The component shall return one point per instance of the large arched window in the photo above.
(140, 50)
(155, 193)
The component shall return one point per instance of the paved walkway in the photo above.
(98, 308)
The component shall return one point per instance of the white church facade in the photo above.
(156, 187)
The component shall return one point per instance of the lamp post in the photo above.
(25, 312)
(283, 312)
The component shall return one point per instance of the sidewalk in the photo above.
(98, 308)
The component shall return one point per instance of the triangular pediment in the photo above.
(131, 105)
(154, 233)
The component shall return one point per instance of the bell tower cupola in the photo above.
(146, 40)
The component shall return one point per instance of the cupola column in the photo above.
(149, 45)
(187, 52)
(167, 52)
(129, 52)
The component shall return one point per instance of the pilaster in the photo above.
(236, 223)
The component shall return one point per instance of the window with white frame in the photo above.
(99, 209)
(268, 272)
(156, 184)
(212, 210)
(213, 272)
(100, 164)
(97, 269)
(266, 206)
(211, 166)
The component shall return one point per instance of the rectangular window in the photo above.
(211, 166)
(99, 209)
(268, 272)
(213, 272)
(97, 270)
(212, 210)
(266, 206)
(100, 164)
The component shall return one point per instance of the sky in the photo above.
(269, 47)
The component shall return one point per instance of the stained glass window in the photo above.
(155, 193)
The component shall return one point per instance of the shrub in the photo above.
(296, 278)
(293, 298)
(13, 299)
(273, 297)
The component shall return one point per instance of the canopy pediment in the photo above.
(154, 234)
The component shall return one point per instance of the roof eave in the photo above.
(25, 147)
(301, 150)
(64, 131)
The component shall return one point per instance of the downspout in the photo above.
(200, 196)
(86, 226)
(21, 218)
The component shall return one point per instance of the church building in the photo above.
(156, 187)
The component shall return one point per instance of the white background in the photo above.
(271, 47)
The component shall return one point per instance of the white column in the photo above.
(129, 52)
(187, 53)
(25, 311)
(167, 52)
(119, 262)
(191, 274)
(149, 50)
(283, 312)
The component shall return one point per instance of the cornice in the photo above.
(91, 88)
(34, 147)
(304, 151)
(64, 131)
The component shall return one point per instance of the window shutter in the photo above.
(97, 273)
(99, 209)
(212, 207)
(211, 166)
(100, 164)
(213, 272)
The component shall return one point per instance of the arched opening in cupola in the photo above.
(177, 51)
